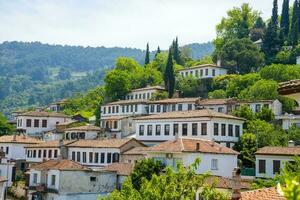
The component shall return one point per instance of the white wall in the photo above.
(30, 154)
(16, 151)
(143, 94)
(6, 170)
(194, 71)
(56, 173)
(89, 135)
(141, 109)
(184, 105)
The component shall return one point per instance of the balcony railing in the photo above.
(43, 189)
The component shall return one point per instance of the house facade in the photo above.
(144, 93)
(88, 132)
(203, 71)
(270, 160)
(205, 124)
(215, 158)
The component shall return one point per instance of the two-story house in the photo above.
(171, 105)
(87, 132)
(204, 124)
(145, 93)
(203, 71)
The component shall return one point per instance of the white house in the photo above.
(7, 171)
(144, 93)
(203, 71)
(270, 160)
(171, 105)
(257, 105)
(66, 179)
(57, 106)
(288, 120)
(87, 132)
(215, 158)
(219, 105)
(3, 182)
(35, 123)
(204, 124)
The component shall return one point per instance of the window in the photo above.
(81, 135)
(152, 108)
(184, 129)
(266, 105)
(113, 109)
(203, 128)
(167, 129)
(261, 166)
(55, 153)
(115, 157)
(90, 157)
(190, 106)
(36, 123)
(237, 131)
(35, 176)
(123, 109)
(142, 129)
(140, 96)
(157, 130)
(28, 122)
(223, 129)
(157, 108)
(173, 107)
(93, 179)
(7, 150)
(206, 72)
(45, 154)
(84, 157)
(216, 129)
(257, 107)
(148, 95)
(144, 96)
(104, 110)
(175, 129)
(44, 123)
(179, 107)
(117, 109)
(96, 158)
(108, 157)
(201, 72)
(40, 154)
(276, 166)
(194, 128)
(220, 109)
(149, 130)
(213, 72)
(131, 108)
(34, 153)
(50, 154)
(73, 155)
(78, 156)
(53, 180)
(115, 124)
(102, 159)
(214, 164)
(127, 108)
(230, 130)
(109, 109)
(135, 108)
(197, 73)
(164, 108)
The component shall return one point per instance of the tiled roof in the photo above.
(262, 194)
(214, 101)
(279, 151)
(84, 128)
(67, 165)
(121, 168)
(227, 183)
(117, 117)
(43, 114)
(50, 144)
(190, 145)
(201, 66)
(189, 114)
(136, 151)
(130, 101)
(19, 139)
(289, 87)
(157, 87)
(105, 143)
(174, 100)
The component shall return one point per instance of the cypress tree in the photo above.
(274, 18)
(157, 51)
(176, 51)
(293, 38)
(147, 57)
(169, 77)
(285, 20)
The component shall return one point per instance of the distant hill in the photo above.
(200, 50)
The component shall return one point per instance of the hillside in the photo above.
(35, 74)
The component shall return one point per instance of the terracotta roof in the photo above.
(130, 101)
(174, 100)
(227, 183)
(190, 145)
(279, 151)
(157, 87)
(189, 114)
(289, 87)
(67, 123)
(117, 117)
(201, 66)
(43, 114)
(121, 168)
(136, 151)
(256, 101)
(262, 194)
(67, 165)
(105, 143)
(19, 139)
(84, 128)
(214, 101)
(50, 144)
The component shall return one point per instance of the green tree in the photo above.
(169, 77)
(159, 95)
(64, 74)
(188, 86)
(246, 113)
(157, 51)
(147, 56)
(5, 127)
(294, 134)
(145, 169)
(285, 20)
(176, 52)
(280, 72)
(217, 94)
(265, 114)
(127, 64)
(247, 146)
(241, 56)
(258, 30)
(294, 33)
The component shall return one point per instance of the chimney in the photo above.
(15, 137)
(291, 143)
(236, 184)
(63, 150)
(197, 146)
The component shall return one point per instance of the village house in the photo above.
(270, 160)
(34, 123)
(66, 179)
(145, 93)
(87, 132)
(100, 153)
(123, 170)
(57, 106)
(3, 182)
(215, 158)
(206, 124)
(133, 155)
(203, 71)
(171, 105)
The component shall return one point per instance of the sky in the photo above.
(122, 23)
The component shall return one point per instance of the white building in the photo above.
(215, 158)
(203, 71)
(57, 106)
(35, 123)
(257, 105)
(88, 132)
(144, 93)
(171, 105)
(7, 171)
(270, 160)
(66, 180)
(289, 120)
(204, 124)
(3, 182)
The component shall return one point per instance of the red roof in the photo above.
(290, 151)
(263, 194)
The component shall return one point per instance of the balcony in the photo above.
(43, 189)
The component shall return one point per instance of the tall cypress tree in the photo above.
(274, 18)
(147, 57)
(294, 33)
(285, 19)
(169, 77)
(176, 51)
(157, 51)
